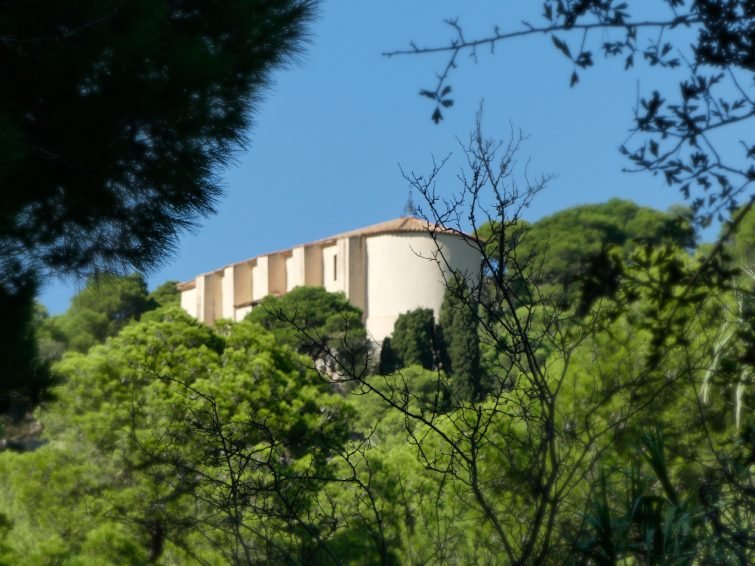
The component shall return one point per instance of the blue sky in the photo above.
(332, 131)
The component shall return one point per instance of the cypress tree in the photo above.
(461, 344)
(389, 361)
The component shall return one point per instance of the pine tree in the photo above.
(115, 118)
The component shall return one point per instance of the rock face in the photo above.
(385, 269)
(21, 435)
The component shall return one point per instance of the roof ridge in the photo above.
(405, 223)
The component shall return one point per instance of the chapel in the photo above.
(385, 270)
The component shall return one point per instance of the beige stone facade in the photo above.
(385, 270)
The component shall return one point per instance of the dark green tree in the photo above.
(575, 252)
(166, 295)
(114, 119)
(106, 304)
(116, 116)
(389, 361)
(415, 339)
(24, 373)
(315, 322)
(460, 342)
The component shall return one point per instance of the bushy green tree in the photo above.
(167, 435)
(414, 341)
(166, 295)
(315, 322)
(106, 305)
(682, 451)
(575, 251)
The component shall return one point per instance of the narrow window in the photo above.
(335, 268)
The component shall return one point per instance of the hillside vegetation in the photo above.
(588, 405)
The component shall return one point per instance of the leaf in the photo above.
(584, 59)
(446, 90)
(428, 94)
(654, 147)
(561, 46)
(448, 102)
(574, 79)
(437, 115)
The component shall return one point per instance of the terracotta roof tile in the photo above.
(401, 224)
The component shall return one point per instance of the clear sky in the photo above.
(332, 131)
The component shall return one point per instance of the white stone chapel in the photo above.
(385, 269)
